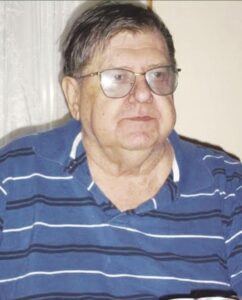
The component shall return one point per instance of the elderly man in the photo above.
(114, 205)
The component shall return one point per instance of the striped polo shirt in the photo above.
(61, 238)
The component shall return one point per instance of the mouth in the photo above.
(141, 119)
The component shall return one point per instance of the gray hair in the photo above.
(97, 25)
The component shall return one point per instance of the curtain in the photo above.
(30, 93)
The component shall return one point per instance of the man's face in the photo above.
(140, 120)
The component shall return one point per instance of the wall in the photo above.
(208, 40)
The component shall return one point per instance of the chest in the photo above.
(68, 241)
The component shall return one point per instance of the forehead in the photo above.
(132, 50)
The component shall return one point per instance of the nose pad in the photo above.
(141, 91)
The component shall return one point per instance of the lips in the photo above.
(141, 118)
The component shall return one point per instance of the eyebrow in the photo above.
(129, 68)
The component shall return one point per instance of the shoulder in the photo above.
(13, 152)
(54, 145)
(205, 168)
(217, 162)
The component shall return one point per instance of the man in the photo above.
(114, 205)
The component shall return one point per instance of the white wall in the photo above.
(208, 40)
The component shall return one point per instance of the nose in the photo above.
(141, 91)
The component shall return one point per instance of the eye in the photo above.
(120, 76)
(159, 74)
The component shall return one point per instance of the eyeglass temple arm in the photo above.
(87, 75)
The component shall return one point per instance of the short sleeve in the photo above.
(233, 239)
(3, 195)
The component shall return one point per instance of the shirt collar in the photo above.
(190, 173)
(188, 166)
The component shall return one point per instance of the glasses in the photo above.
(118, 83)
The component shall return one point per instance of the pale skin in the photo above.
(128, 152)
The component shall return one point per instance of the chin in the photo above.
(136, 143)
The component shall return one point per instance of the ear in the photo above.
(71, 91)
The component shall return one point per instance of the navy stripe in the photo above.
(237, 212)
(75, 163)
(124, 251)
(236, 250)
(107, 206)
(187, 217)
(51, 201)
(86, 296)
(89, 201)
(1, 224)
(222, 171)
(172, 186)
(16, 153)
(173, 189)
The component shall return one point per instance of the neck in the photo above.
(118, 163)
(129, 178)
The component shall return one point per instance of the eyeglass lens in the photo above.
(117, 83)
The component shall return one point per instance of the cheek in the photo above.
(98, 115)
(86, 106)
(171, 108)
(167, 113)
(103, 117)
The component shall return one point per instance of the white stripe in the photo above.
(236, 274)
(176, 171)
(159, 236)
(229, 195)
(3, 190)
(75, 144)
(203, 194)
(238, 188)
(232, 162)
(212, 156)
(97, 272)
(37, 175)
(221, 156)
(164, 236)
(154, 202)
(90, 186)
(53, 226)
(233, 237)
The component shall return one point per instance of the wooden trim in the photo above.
(150, 3)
